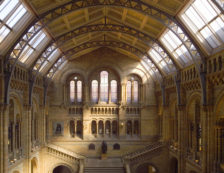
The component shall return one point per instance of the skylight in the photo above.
(161, 58)
(31, 46)
(205, 20)
(11, 11)
(176, 47)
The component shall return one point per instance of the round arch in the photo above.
(61, 164)
(147, 168)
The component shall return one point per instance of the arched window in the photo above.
(94, 91)
(128, 91)
(72, 91)
(135, 91)
(113, 85)
(92, 147)
(18, 131)
(75, 90)
(93, 127)
(72, 128)
(100, 127)
(79, 91)
(104, 86)
(107, 128)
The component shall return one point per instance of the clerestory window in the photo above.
(75, 90)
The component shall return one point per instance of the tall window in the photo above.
(104, 86)
(113, 85)
(132, 91)
(72, 91)
(75, 90)
(135, 91)
(128, 91)
(94, 91)
(79, 91)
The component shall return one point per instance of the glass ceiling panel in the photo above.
(32, 45)
(11, 11)
(161, 58)
(176, 47)
(206, 21)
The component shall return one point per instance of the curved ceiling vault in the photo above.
(131, 25)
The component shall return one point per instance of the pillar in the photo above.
(4, 137)
(182, 131)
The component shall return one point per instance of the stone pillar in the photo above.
(27, 143)
(127, 167)
(81, 166)
(4, 137)
(207, 131)
(166, 120)
(123, 92)
(182, 130)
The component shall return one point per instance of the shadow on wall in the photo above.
(61, 169)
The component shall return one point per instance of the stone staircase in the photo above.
(110, 165)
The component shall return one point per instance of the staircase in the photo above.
(110, 165)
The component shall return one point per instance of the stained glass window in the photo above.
(135, 91)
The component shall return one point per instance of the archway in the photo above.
(146, 168)
(173, 165)
(61, 169)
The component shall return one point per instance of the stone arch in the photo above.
(62, 168)
(146, 168)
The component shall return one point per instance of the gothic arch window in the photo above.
(104, 86)
(94, 90)
(113, 85)
(75, 89)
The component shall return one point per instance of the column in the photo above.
(109, 92)
(166, 124)
(127, 167)
(4, 137)
(182, 133)
(123, 93)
